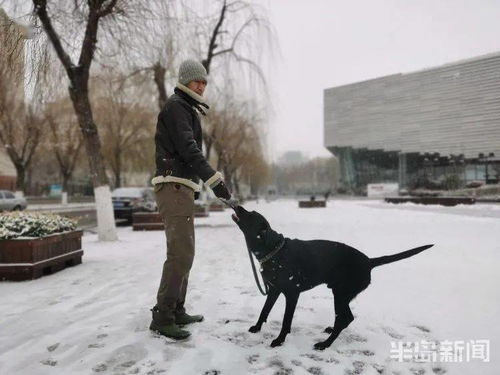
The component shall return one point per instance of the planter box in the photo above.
(201, 210)
(216, 207)
(153, 220)
(443, 201)
(27, 259)
(147, 221)
(311, 204)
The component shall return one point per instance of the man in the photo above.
(179, 166)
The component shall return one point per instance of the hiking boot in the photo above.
(184, 318)
(172, 330)
(163, 323)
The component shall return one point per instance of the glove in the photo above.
(220, 191)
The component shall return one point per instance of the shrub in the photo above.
(474, 184)
(424, 182)
(23, 224)
(452, 182)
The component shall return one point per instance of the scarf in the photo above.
(192, 98)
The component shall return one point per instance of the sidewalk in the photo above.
(60, 207)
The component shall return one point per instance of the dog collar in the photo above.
(272, 253)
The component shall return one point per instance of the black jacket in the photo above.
(178, 142)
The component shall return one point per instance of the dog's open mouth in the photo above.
(235, 218)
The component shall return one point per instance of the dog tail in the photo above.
(375, 262)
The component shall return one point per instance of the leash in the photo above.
(233, 203)
(262, 261)
(264, 293)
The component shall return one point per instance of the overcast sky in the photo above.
(327, 43)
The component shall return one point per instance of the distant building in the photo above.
(7, 172)
(437, 123)
(313, 177)
(291, 158)
(12, 39)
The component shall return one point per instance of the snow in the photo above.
(128, 192)
(94, 318)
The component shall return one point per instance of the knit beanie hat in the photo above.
(192, 70)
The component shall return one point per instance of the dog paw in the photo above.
(321, 345)
(254, 329)
(277, 342)
(328, 330)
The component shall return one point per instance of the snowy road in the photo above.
(94, 318)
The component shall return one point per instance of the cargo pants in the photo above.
(176, 207)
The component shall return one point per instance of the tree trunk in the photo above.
(207, 139)
(236, 185)
(118, 168)
(92, 142)
(159, 77)
(65, 181)
(78, 91)
(208, 150)
(228, 178)
(21, 173)
(118, 179)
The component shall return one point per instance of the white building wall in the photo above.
(6, 166)
(454, 108)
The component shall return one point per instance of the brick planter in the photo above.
(153, 220)
(442, 201)
(27, 259)
(311, 204)
(147, 221)
(201, 210)
(216, 207)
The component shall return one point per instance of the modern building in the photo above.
(440, 124)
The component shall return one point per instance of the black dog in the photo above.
(293, 266)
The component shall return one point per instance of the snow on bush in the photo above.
(22, 224)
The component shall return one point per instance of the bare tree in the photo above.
(12, 38)
(237, 141)
(232, 37)
(20, 125)
(233, 33)
(255, 172)
(64, 140)
(126, 124)
(91, 14)
(20, 133)
(154, 47)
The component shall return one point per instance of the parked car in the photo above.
(127, 200)
(9, 202)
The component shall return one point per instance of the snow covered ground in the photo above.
(94, 318)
